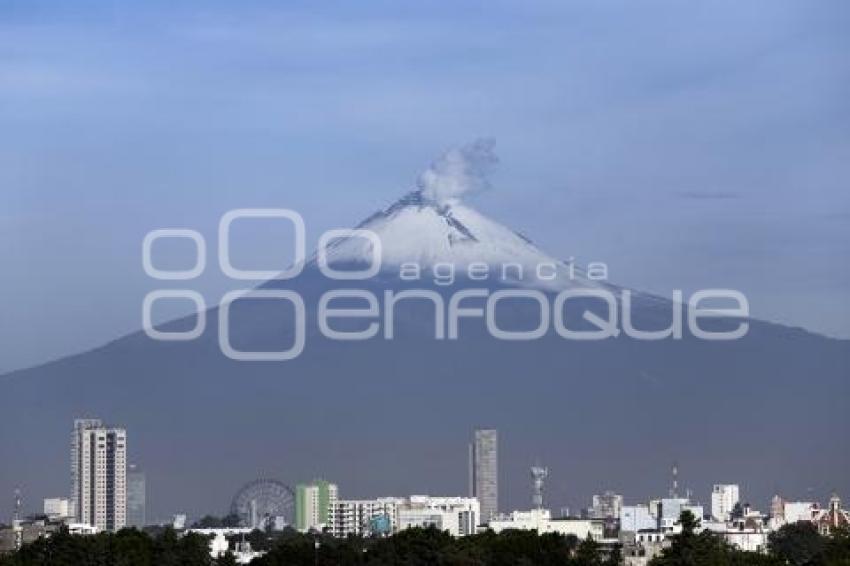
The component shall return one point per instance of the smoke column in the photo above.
(459, 171)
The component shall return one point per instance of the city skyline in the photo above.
(636, 531)
(94, 444)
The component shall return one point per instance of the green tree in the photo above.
(796, 544)
(690, 548)
(588, 553)
(837, 550)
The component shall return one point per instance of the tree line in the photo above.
(795, 545)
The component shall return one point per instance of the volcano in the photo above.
(394, 417)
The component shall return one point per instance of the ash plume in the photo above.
(460, 171)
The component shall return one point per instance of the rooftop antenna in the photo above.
(538, 476)
(18, 505)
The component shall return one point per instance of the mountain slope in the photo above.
(393, 416)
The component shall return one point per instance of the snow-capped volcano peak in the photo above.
(431, 226)
(420, 230)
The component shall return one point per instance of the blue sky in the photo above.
(686, 145)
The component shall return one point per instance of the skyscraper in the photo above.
(484, 472)
(136, 497)
(99, 474)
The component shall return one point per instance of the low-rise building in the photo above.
(388, 515)
(541, 520)
(671, 508)
(634, 518)
(458, 516)
(796, 511)
(57, 508)
(832, 518)
(606, 505)
(643, 546)
(23, 532)
(751, 540)
(364, 517)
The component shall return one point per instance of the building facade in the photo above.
(459, 516)
(606, 506)
(364, 517)
(724, 497)
(313, 503)
(57, 508)
(99, 475)
(634, 518)
(796, 511)
(136, 498)
(484, 473)
(832, 518)
(388, 515)
(540, 520)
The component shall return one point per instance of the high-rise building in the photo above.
(484, 472)
(313, 502)
(99, 474)
(723, 500)
(136, 497)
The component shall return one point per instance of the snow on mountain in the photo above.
(432, 228)
(418, 229)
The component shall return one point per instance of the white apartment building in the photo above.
(541, 520)
(389, 515)
(99, 475)
(457, 515)
(364, 517)
(723, 500)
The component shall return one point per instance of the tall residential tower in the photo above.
(99, 474)
(313, 503)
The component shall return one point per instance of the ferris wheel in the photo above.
(259, 503)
